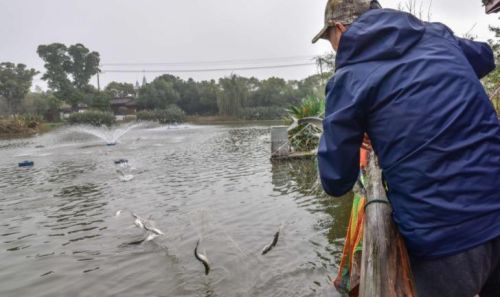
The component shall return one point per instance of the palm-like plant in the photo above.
(305, 137)
(310, 107)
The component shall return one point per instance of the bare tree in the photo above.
(416, 7)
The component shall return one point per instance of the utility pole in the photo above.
(321, 70)
(98, 83)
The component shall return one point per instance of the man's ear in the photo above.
(340, 27)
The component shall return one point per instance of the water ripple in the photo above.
(214, 183)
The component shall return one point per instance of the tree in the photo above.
(116, 89)
(69, 70)
(189, 97)
(44, 104)
(492, 81)
(159, 94)
(83, 65)
(325, 63)
(413, 7)
(272, 92)
(208, 91)
(98, 100)
(313, 85)
(15, 83)
(234, 93)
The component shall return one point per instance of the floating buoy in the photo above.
(121, 161)
(26, 164)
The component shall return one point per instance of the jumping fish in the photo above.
(124, 177)
(146, 225)
(139, 222)
(150, 228)
(202, 258)
(270, 246)
(151, 236)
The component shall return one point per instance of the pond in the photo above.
(60, 236)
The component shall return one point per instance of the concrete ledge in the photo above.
(296, 155)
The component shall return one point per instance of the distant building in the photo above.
(123, 106)
(65, 110)
(82, 107)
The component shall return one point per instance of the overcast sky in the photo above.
(193, 34)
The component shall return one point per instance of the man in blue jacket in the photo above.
(414, 88)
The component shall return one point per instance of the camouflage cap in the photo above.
(343, 11)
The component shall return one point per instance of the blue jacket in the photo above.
(414, 88)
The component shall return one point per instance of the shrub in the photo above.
(305, 138)
(172, 114)
(20, 124)
(94, 118)
(309, 107)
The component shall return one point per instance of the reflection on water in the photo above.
(301, 177)
(59, 235)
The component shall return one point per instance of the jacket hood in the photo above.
(379, 34)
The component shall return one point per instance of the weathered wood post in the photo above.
(385, 265)
(279, 142)
(492, 6)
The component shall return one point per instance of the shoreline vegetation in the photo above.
(12, 128)
(20, 127)
(167, 98)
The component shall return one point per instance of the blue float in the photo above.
(26, 164)
(121, 161)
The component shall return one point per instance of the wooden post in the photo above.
(385, 265)
(493, 6)
(279, 142)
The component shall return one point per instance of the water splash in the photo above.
(109, 135)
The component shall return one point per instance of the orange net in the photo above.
(348, 277)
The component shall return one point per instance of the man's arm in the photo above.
(338, 153)
(479, 55)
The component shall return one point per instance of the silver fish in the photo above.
(150, 228)
(202, 258)
(139, 222)
(151, 236)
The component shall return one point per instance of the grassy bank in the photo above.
(24, 126)
(15, 126)
(47, 127)
(213, 120)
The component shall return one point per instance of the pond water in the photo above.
(59, 235)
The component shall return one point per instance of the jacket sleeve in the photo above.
(338, 153)
(479, 55)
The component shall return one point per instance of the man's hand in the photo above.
(367, 144)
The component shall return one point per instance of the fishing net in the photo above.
(348, 277)
(396, 278)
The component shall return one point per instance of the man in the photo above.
(414, 88)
